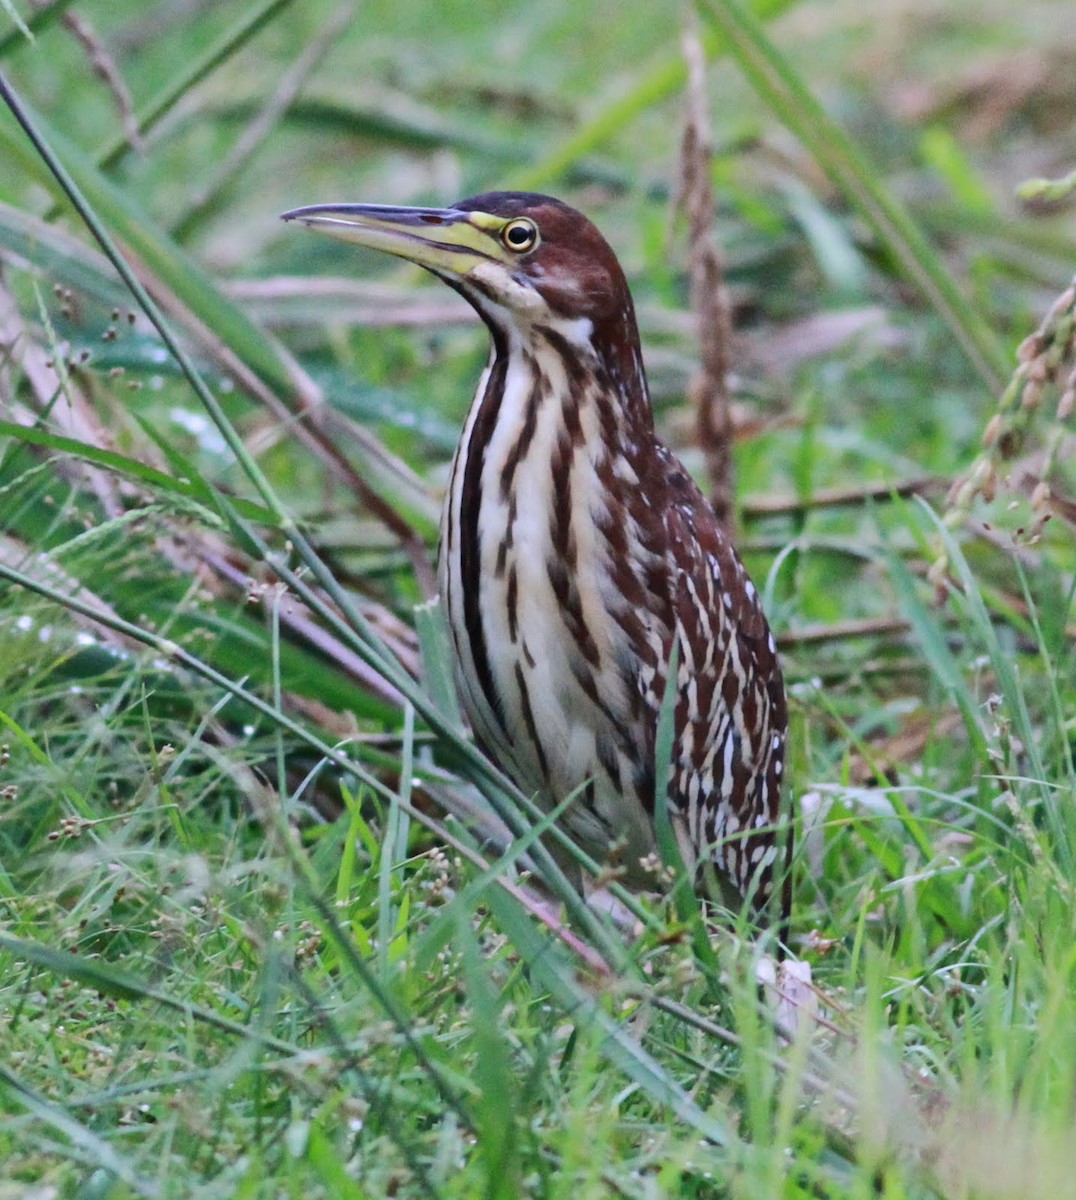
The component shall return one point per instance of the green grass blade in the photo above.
(1010, 686)
(194, 72)
(497, 1101)
(40, 18)
(394, 849)
(89, 1144)
(660, 82)
(175, 271)
(190, 487)
(618, 1045)
(437, 659)
(782, 88)
(931, 638)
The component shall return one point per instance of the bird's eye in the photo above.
(520, 235)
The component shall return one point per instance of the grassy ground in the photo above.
(249, 946)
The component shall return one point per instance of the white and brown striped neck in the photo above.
(539, 547)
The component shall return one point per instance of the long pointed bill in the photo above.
(445, 240)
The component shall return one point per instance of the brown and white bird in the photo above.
(576, 551)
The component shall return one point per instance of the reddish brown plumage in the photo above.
(653, 540)
(576, 551)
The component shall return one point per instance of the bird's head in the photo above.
(521, 259)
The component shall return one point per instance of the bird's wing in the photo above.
(731, 721)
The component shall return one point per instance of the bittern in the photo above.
(576, 552)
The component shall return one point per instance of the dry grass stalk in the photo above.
(1046, 360)
(708, 388)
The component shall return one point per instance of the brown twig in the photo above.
(296, 618)
(276, 301)
(319, 428)
(190, 551)
(46, 374)
(288, 87)
(842, 497)
(837, 631)
(105, 68)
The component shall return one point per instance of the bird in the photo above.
(576, 552)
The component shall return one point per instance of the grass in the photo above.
(251, 943)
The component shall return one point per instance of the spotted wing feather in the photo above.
(731, 721)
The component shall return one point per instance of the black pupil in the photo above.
(519, 235)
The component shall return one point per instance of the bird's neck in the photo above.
(541, 510)
(571, 364)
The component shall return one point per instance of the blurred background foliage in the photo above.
(197, 758)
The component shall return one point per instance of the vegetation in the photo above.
(251, 944)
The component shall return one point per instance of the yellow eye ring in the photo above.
(519, 235)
